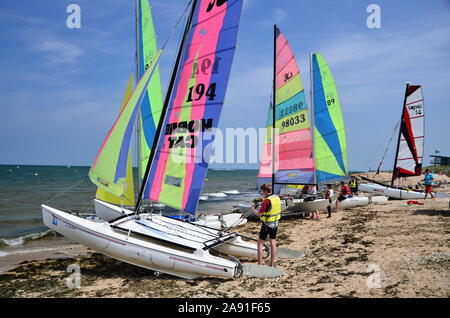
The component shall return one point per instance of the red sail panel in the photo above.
(410, 149)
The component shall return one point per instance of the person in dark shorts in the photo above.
(269, 214)
(345, 191)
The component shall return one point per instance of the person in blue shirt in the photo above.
(428, 183)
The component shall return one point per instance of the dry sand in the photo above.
(384, 250)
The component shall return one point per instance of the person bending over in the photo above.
(269, 214)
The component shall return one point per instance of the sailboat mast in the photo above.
(399, 136)
(274, 103)
(311, 96)
(165, 106)
(138, 125)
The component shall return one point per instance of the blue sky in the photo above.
(61, 88)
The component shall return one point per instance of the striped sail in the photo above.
(127, 198)
(293, 142)
(410, 148)
(152, 102)
(330, 146)
(181, 160)
(110, 166)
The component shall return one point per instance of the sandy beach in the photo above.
(384, 250)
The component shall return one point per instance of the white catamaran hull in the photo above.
(351, 202)
(108, 212)
(155, 242)
(298, 205)
(391, 192)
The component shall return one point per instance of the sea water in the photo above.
(23, 188)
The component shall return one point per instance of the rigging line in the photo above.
(67, 189)
(181, 233)
(204, 232)
(380, 145)
(386, 150)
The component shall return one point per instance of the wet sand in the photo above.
(384, 250)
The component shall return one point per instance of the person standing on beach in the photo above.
(269, 214)
(328, 194)
(354, 186)
(345, 190)
(428, 183)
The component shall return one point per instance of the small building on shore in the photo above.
(440, 160)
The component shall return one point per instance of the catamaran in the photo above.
(297, 151)
(409, 153)
(149, 116)
(176, 165)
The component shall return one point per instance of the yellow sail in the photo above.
(128, 198)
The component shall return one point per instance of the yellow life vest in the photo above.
(274, 213)
(353, 184)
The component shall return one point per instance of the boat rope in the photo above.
(380, 145)
(67, 189)
(387, 148)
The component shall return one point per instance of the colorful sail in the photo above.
(181, 160)
(152, 102)
(128, 198)
(330, 148)
(293, 139)
(109, 168)
(410, 148)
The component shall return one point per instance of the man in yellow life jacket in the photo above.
(269, 214)
(353, 184)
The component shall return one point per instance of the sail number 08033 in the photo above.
(293, 121)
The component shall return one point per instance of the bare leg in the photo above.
(260, 251)
(273, 252)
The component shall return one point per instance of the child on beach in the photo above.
(428, 183)
(328, 194)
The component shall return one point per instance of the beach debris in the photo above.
(261, 271)
(412, 202)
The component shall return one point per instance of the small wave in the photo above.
(22, 239)
(231, 192)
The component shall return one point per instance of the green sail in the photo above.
(329, 131)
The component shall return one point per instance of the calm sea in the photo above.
(24, 188)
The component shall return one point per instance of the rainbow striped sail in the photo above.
(330, 146)
(109, 168)
(152, 103)
(294, 162)
(127, 198)
(181, 157)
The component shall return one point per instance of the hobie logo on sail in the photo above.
(183, 127)
(217, 3)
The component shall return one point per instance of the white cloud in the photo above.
(58, 52)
